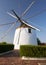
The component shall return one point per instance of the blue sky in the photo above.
(19, 6)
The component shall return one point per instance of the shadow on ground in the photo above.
(14, 53)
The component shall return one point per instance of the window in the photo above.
(29, 30)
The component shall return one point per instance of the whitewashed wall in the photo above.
(26, 38)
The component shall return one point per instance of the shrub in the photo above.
(6, 47)
(4, 43)
(32, 51)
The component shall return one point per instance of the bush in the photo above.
(6, 47)
(4, 43)
(32, 51)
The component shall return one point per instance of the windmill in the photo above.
(24, 34)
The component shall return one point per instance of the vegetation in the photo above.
(6, 47)
(3, 43)
(32, 51)
(38, 41)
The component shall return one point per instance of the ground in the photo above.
(13, 58)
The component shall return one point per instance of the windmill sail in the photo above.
(24, 22)
(28, 8)
(11, 15)
(30, 25)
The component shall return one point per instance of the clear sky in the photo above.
(19, 6)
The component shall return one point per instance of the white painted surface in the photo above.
(25, 38)
(29, 58)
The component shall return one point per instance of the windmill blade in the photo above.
(11, 15)
(28, 8)
(24, 21)
(5, 34)
(16, 15)
(23, 12)
(6, 24)
(30, 25)
(36, 14)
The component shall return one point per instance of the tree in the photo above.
(38, 41)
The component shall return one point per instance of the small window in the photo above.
(29, 30)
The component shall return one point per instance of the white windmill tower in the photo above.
(25, 33)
